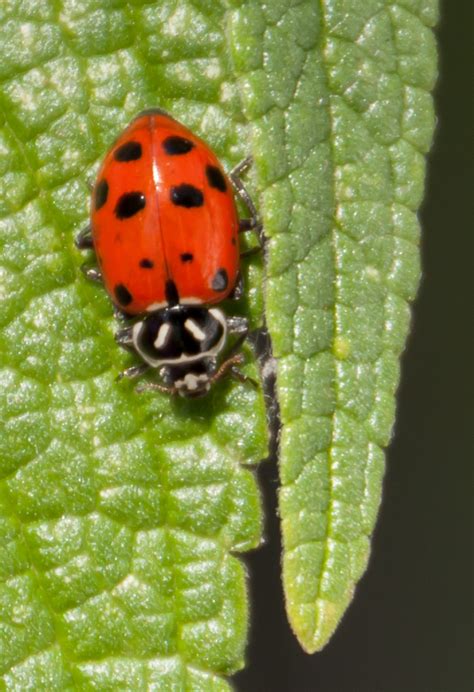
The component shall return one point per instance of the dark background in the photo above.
(409, 628)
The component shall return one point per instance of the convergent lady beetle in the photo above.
(164, 227)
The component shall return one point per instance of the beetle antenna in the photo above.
(153, 386)
(227, 366)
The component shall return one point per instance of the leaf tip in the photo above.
(314, 623)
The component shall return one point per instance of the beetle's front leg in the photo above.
(237, 325)
(133, 372)
(124, 338)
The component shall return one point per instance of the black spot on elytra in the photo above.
(215, 178)
(233, 241)
(101, 193)
(175, 145)
(122, 294)
(186, 196)
(146, 263)
(129, 204)
(130, 151)
(186, 257)
(171, 292)
(220, 280)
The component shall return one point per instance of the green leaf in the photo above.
(337, 93)
(120, 513)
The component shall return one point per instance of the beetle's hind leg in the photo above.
(84, 239)
(84, 242)
(238, 290)
(92, 273)
(253, 223)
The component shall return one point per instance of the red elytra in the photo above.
(164, 221)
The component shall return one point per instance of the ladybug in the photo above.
(165, 230)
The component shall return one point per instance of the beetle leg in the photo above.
(124, 338)
(84, 239)
(133, 371)
(238, 290)
(237, 325)
(234, 351)
(254, 223)
(92, 273)
(247, 225)
(242, 166)
(121, 315)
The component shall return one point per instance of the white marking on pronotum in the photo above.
(195, 330)
(184, 357)
(190, 300)
(218, 315)
(156, 306)
(163, 332)
(186, 301)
